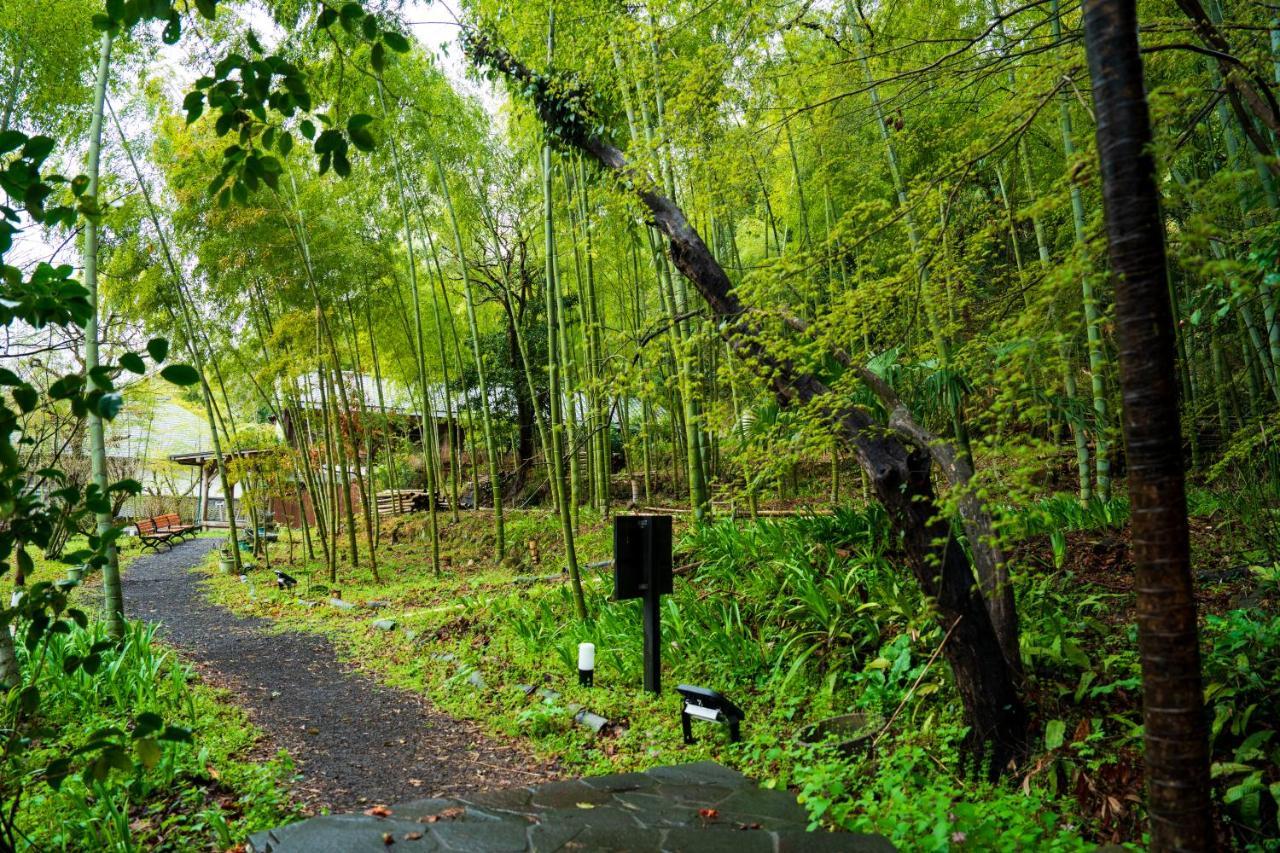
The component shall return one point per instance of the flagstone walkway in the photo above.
(700, 807)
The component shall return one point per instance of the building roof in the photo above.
(154, 425)
(396, 397)
(204, 457)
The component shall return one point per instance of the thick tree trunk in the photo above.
(1176, 739)
(10, 672)
(524, 408)
(900, 471)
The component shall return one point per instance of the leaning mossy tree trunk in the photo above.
(1176, 740)
(899, 466)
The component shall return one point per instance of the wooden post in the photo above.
(203, 509)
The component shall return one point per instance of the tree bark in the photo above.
(10, 674)
(1175, 735)
(524, 407)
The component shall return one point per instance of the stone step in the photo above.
(703, 807)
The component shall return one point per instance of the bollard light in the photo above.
(586, 664)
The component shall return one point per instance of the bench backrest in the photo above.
(146, 526)
(170, 520)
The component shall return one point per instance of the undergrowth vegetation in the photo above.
(802, 619)
(157, 761)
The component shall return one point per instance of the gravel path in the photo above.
(355, 741)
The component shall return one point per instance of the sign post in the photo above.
(642, 569)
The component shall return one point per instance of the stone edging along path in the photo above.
(356, 742)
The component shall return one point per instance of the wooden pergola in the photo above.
(207, 462)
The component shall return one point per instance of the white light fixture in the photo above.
(586, 664)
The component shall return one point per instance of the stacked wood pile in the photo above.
(401, 501)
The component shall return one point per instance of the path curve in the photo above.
(355, 742)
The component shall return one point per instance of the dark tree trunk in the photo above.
(900, 468)
(901, 475)
(1176, 739)
(524, 409)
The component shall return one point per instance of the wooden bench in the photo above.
(152, 536)
(172, 523)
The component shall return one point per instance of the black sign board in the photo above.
(642, 569)
(641, 555)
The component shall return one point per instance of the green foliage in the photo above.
(564, 106)
(1061, 513)
(903, 797)
(745, 619)
(1247, 492)
(34, 505)
(947, 252)
(103, 771)
(1241, 671)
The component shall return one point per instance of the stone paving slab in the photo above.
(702, 807)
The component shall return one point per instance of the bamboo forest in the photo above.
(678, 425)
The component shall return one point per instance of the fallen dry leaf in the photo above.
(708, 814)
(378, 811)
(586, 805)
(412, 836)
(388, 839)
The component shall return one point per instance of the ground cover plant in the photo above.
(199, 781)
